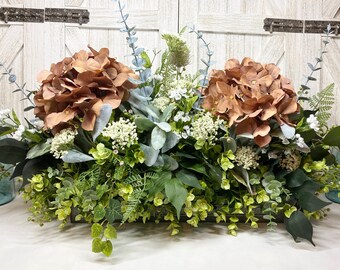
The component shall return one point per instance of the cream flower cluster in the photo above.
(123, 133)
(205, 127)
(62, 142)
(161, 103)
(313, 122)
(247, 157)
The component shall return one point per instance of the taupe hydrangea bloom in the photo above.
(248, 95)
(78, 86)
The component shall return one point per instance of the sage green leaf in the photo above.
(164, 126)
(144, 123)
(228, 144)
(310, 202)
(102, 120)
(74, 156)
(107, 248)
(176, 193)
(299, 226)
(158, 138)
(12, 151)
(98, 213)
(97, 245)
(114, 212)
(170, 142)
(110, 232)
(96, 230)
(188, 178)
(167, 113)
(333, 137)
(296, 178)
(39, 149)
(170, 163)
(150, 154)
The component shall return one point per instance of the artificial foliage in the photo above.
(113, 144)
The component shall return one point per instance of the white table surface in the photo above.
(25, 246)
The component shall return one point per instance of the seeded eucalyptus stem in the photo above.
(12, 79)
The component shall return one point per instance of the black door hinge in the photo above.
(300, 26)
(9, 14)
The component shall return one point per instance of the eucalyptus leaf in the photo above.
(176, 194)
(144, 123)
(170, 142)
(150, 154)
(102, 120)
(164, 126)
(158, 138)
(167, 113)
(74, 156)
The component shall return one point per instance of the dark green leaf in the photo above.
(333, 137)
(299, 226)
(18, 169)
(113, 212)
(215, 173)
(158, 184)
(39, 150)
(296, 178)
(36, 166)
(305, 87)
(194, 167)
(310, 202)
(176, 193)
(308, 186)
(170, 164)
(188, 178)
(311, 78)
(12, 151)
(318, 153)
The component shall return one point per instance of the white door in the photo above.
(235, 30)
(31, 47)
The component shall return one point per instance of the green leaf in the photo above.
(190, 103)
(170, 142)
(114, 212)
(39, 150)
(158, 184)
(318, 153)
(5, 130)
(98, 213)
(110, 232)
(176, 193)
(74, 156)
(12, 151)
(333, 137)
(215, 173)
(308, 186)
(170, 164)
(296, 178)
(96, 230)
(299, 226)
(18, 169)
(145, 56)
(97, 245)
(194, 167)
(15, 118)
(107, 248)
(188, 178)
(102, 120)
(37, 165)
(310, 202)
(150, 154)
(144, 123)
(158, 138)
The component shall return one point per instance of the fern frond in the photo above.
(322, 103)
(90, 178)
(139, 184)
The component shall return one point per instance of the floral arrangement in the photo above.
(117, 144)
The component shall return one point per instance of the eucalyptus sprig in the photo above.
(207, 63)
(12, 78)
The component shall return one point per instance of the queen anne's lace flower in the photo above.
(161, 102)
(313, 122)
(62, 142)
(205, 128)
(247, 157)
(123, 133)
